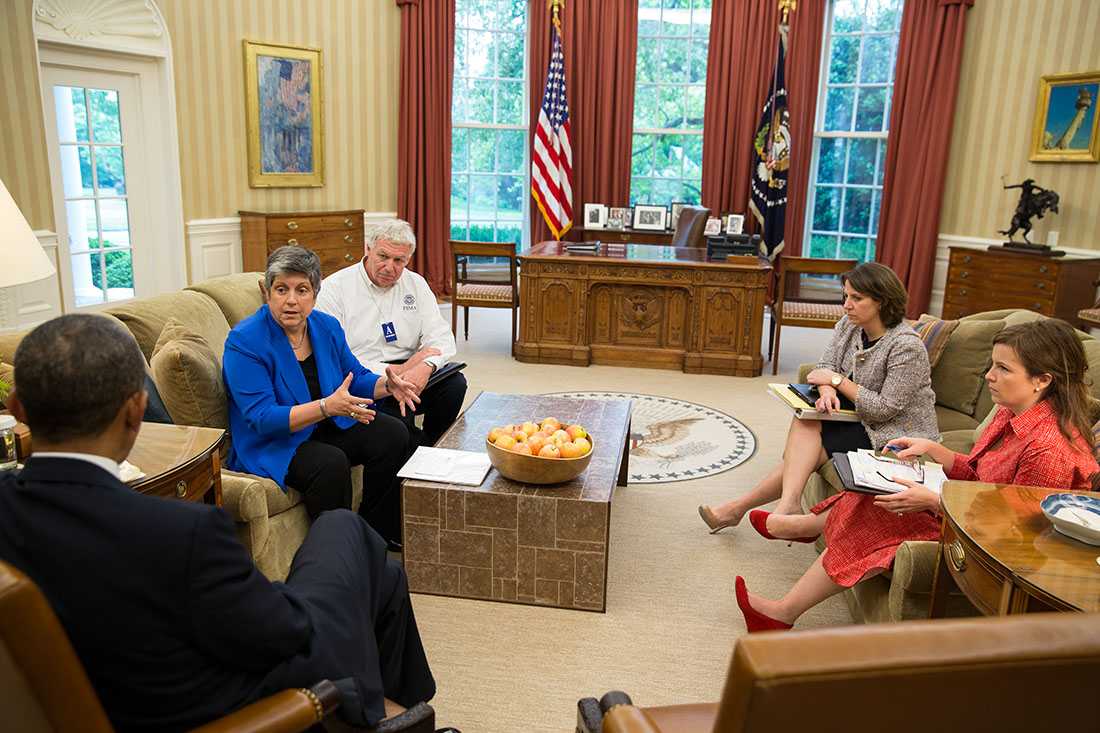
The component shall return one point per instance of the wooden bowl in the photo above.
(535, 470)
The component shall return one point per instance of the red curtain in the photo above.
(424, 137)
(599, 45)
(926, 84)
(744, 38)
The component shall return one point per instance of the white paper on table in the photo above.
(447, 466)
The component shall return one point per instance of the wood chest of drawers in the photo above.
(336, 236)
(980, 280)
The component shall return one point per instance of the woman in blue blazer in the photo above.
(300, 402)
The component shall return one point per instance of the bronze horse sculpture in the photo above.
(1034, 201)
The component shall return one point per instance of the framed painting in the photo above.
(283, 110)
(1065, 129)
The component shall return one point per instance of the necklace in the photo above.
(305, 332)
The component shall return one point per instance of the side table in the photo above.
(179, 461)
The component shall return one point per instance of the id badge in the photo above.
(388, 332)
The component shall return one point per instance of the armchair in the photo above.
(808, 294)
(690, 226)
(474, 292)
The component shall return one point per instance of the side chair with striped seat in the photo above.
(1091, 316)
(809, 293)
(482, 291)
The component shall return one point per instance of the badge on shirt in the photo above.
(388, 332)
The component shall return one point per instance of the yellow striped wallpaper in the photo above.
(1009, 45)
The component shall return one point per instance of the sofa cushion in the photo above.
(959, 377)
(189, 378)
(145, 318)
(948, 420)
(935, 335)
(237, 295)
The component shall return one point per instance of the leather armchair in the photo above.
(1004, 673)
(690, 226)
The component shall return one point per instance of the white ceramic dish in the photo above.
(1074, 515)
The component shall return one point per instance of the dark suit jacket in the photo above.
(173, 622)
(263, 381)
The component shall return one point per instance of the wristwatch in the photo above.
(836, 380)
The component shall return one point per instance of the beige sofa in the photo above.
(963, 406)
(182, 335)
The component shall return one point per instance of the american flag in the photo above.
(293, 80)
(552, 161)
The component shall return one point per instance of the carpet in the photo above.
(673, 440)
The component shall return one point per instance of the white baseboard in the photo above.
(26, 306)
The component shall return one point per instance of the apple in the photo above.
(550, 451)
(505, 442)
(561, 435)
(511, 428)
(575, 431)
(571, 450)
(583, 444)
(495, 433)
(519, 435)
(529, 427)
(523, 448)
(536, 441)
(550, 424)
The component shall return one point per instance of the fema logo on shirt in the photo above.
(410, 302)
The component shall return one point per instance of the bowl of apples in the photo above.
(545, 452)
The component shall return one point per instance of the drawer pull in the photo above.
(966, 258)
(1042, 268)
(292, 225)
(962, 292)
(956, 556)
(292, 242)
(1040, 286)
(347, 238)
(348, 222)
(1037, 306)
(964, 274)
(958, 314)
(349, 258)
(181, 489)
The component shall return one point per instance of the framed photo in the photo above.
(713, 227)
(618, 217)
(595, 216)
(735, 223)
(614, 222)
(649, 217)
(283, 110)
(1065, 129)
(677, 207)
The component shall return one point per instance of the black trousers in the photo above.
(363, 619)
(321, 470)
(439, 404)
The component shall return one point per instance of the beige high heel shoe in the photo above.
(712, 520)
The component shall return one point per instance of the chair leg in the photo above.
(454, 317)
(771, 334)
(513, 331)
(775, 361)
(466, 321)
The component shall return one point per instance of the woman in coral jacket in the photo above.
(1041, 435)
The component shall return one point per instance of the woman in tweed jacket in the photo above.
(874, 359)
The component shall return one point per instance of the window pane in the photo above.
(110, 176)
(510, 58)
(461, 65)
(459, 106)
(114, 223)
(871, 109)
(677, 21)
(483, 197)
(648, 56)
(844, 60)
(509, 102)
(83, 228)
(847, 16)
(861, 161)
(459, 185)
(693, 156)
(510, 191)
(480, 101)
(876, 62)
(481, 231)
(665, 191)
(699, 49)
(641, 157)
(857, 210)
(696, 103)
(830, 161)
(822, 245)
(510, 151)
(72, 114)
(883, 15)
(460, 156)
(826, 208)
(838, 109)
(692, 192)
(854, 248)
(513, 15)
(106, 127)
(639, 190)
(670, 156)
(509, 233)
(76, 170)
(645, 106)
(459, 230)
(87, 278)
(674, 61)
(483, 150)
(876, 207)
(880, 174)
(670, 107)
(481, 53)
(120, 275)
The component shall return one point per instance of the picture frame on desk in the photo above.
(649, 218)
(677, 208)
(713, 227)
(1065, 128)
(595, 216)
(735, 223)
(620, 215)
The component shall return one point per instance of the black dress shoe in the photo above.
(394, 546)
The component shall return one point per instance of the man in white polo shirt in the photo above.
(390, 316)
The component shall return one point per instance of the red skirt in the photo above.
(861, 536)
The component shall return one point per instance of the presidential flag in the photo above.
(552, 159)
(772, 161)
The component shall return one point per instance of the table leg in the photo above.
(942, 582)
(624, 464)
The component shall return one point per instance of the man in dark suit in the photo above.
(171, 619)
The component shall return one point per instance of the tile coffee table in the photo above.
(515, 542)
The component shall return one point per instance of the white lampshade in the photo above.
(22, 259)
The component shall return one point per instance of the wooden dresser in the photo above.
(981, 280)
(336, 236)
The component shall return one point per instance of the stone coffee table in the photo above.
(509, 541)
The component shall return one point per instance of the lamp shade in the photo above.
(22, 259)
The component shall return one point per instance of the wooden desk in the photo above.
(1007, 557)
(628, 235)
(641, 305)
(180, 462)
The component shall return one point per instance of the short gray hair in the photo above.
(293, 260)
(394, 231)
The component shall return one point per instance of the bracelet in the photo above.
(386, 386)
(324, 410)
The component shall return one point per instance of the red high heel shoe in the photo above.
(754, 620)
(759, 522)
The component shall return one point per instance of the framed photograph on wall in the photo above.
(735, 223)
(677, 207)
(282, 87)
(650, 218)
(1065, 129)
(713, 227)
(595, 216)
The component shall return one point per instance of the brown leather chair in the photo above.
(690, 226)
(809, 294)
(1025, 672)
(473, 292)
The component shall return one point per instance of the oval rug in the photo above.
(673, 440)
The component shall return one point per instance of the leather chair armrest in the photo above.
(288, 711)
(629, 719)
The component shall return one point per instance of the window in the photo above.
(670, 88)
(849, 158)
(489, 165)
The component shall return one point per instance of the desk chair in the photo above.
(690, 226)
(1020, 672)
(472, 292)
(809, 293)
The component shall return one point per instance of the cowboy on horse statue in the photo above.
(1034, 201)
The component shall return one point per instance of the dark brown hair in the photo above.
(879, 283)
(1051, 346)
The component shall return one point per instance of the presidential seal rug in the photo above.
(673, 440)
